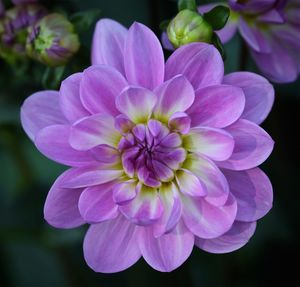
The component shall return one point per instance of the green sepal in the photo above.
(217, 17)
(187, 4)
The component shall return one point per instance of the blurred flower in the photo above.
(14, 25)
(187, 27)
(52, 40)
(162, 156)
(271, 30)
(2, 9)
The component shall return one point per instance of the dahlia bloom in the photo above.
(271, 30)
(162, 156)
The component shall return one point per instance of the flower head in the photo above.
(52, 40)
(271, 30)
(163, 156)
(14, 25)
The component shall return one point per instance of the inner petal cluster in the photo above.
(151, 152)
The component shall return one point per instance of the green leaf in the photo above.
(187, 4)
(217, 17)
(164, 24)
(218, 44)
(52, 77)
(84, 20)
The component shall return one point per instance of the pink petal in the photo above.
(283, 71)
(145, 208)
(253, 192)
(175, 95)
(217, 144)
(69, 98)
(53, 142)
(211, 177)
(168, 251)
(252, 146)
(94, 130)
(180, 122)
(200, 63)
(238, 235)
(39, 111)
(124, 192)
(206, 220)
(111, 246)
(136, 103)
(169, 196)
(144, 61)
(61, 206)
(217, 106)
(90, 176)
(108, 44)
(189, 183)
(259, 94)
(96, 203)
(99, 88)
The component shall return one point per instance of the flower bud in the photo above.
(187, 27)
(14, 25)
(52, 40)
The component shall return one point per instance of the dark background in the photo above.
(33, 254)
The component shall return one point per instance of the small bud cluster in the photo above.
(29, 30)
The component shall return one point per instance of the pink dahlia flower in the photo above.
(163, 156)
(271, 30)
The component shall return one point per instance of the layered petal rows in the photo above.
(162, 156)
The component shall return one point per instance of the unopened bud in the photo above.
(187, 27)
(52, 40)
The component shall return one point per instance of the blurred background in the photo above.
(33, 254)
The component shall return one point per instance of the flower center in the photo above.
(151, 153)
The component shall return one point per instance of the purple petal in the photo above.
(136, 103)
(206, 220)
(94, 130)
(61, 206)
(172, 140)
(99, 88)
(217, 144)
(108, 44)
(124, 192)
(168, 251)
(53, 142)
(189, 183)
(39, 111)
(105, 154)
(144, 61)
(175, 95)
(145, 208)
(163, 172)
(111, 246)
(210, 175)
(96, 203)
(254, 37)
(283, 71)
(252, 146)
(238, 235)
(180, 122)
(123, 124)
(217, 106)
(259, 94)
(69, 99)
(172, 159)
(253, 192)
(200, 63)
(171, 201)
(166, 42)
(90, 176)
